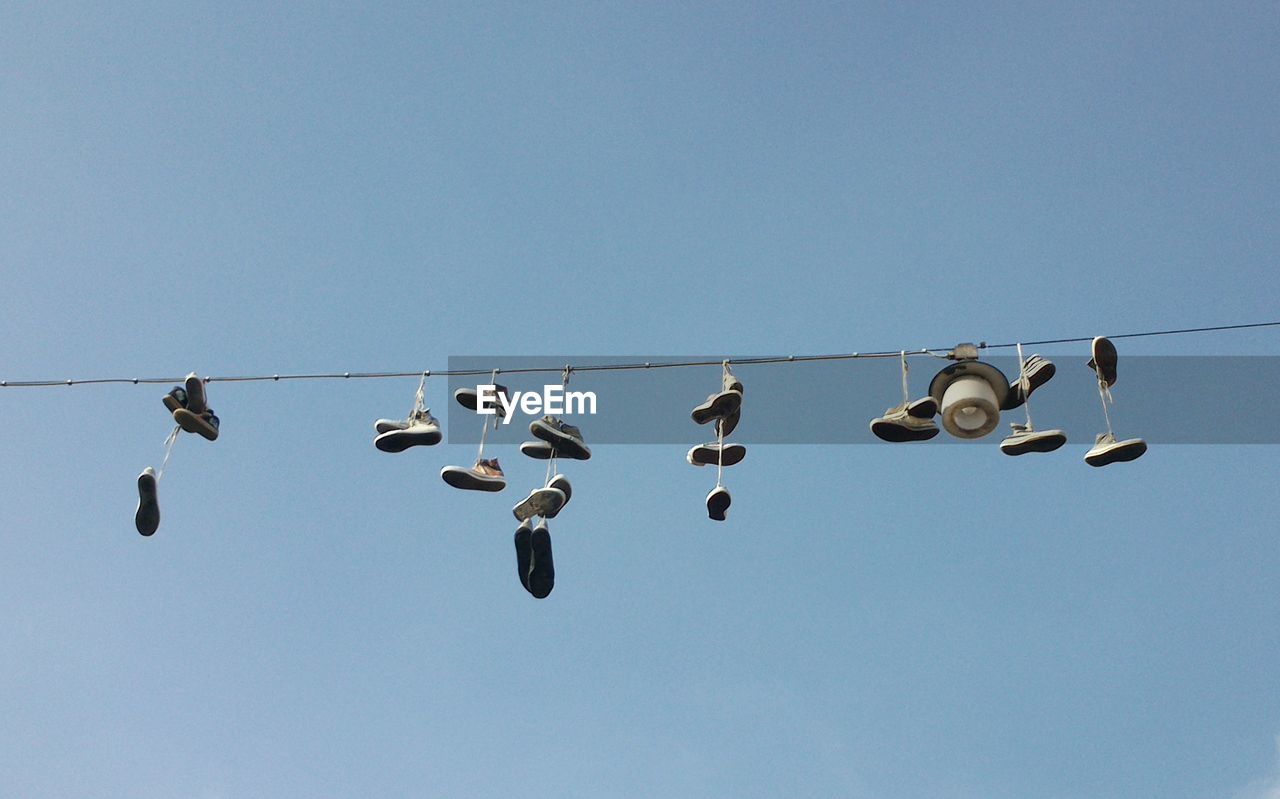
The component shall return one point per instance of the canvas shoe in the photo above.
(561, 483)
(197, 403)
(1036, 371)
(564, 437)
(1104, 360)
(709, 454)
(486, 475)
(544, 502)
(1107, 450)
(524, 553)
(204, 424)
(147, 517)
(923, 408)
(1024, 439)
(718, 503)
(387, 425)
(469, 398)
(542, 570)
(175, 399)
(422, 430)
(898, 425)
(538, 450)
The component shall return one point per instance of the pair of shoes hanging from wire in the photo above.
(1033, 372)
(418, 429)
(912, 420)
(1106, 449)
(486, 473)
(724, 408)
(189, 407)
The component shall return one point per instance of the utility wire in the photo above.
(937, 352)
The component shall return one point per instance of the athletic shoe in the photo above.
(203, 424)
(196, 401)
(175, 399)
(897, 426)
(923, 408)
(561, 483)
(469, 398)
(486, 475)
(1104, 360)
(1107, 450)
(542, 571)
(718, 503)
(728, 424)
(1036, 371)
(147, 517)
(564, 437)
(387, 425)
(422, 430)
(524, 553)
(718, 406)
(538, 450)
(544, 502)
(709, 454)
(1024, 439)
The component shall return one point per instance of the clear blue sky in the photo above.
(326, 186)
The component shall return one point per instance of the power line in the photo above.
(937, 352)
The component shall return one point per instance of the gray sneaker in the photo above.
(544, 502)
(147, 517)
(563, 437)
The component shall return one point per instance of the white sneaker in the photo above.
(387, 425)
(422, 430)
(1106, 450)
(1025, 439)
(709, 454)
(898, 425)
(544, 502)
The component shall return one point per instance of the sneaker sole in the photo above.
(400, 440)
(562, 483)
(542, 573)
(195, 424)
(705, 456)
(1121, 453)
(565, 446)
(726, 425)
(718, 504)
(147, 517)
(524, 555)
(543, 502)
(1104, 360)
(897, 434)
(171, 403)
(1047, 442)
(469, 399)
(925, 408)
(726, 403)
(538, 450)
(468, 480)
(388, 425)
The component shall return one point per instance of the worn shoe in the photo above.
(544, 502)
(197, 403)
(709, 454)
(1036, 371)
(561, 483)
(469, 398)
(923, 408)
(422, 430)
(542, 570)
(486, 475)
(538, 450)
(1104, 360)
(717, 406)
(1107, 450)
(387, 425)
(728, 424)
(524, 553)
(175, 399)
(204, 424)
(147, 517)
(564, 437)
(718, 503)
(1024, 439)
(898, 425)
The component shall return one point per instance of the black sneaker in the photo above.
(923, 408)
(564, 437)
(524, 554)
(710, 454)
(469, 398)
(147, 517)
(1104, 360)
(1036, 371)
(542, 574)
(538, 450)
(718, 503)
(729, 423)
(175, 399)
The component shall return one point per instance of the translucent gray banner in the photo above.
(1163, 399)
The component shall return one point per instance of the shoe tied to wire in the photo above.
(1025, 439)
(711, 453)
(486, 475)
(545, 502)
(899, 425)
(563, 437)
(204, 424)
(1106, 450)
(1104, 360)
(718, 502)
(421, 430)
(1036, 371)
